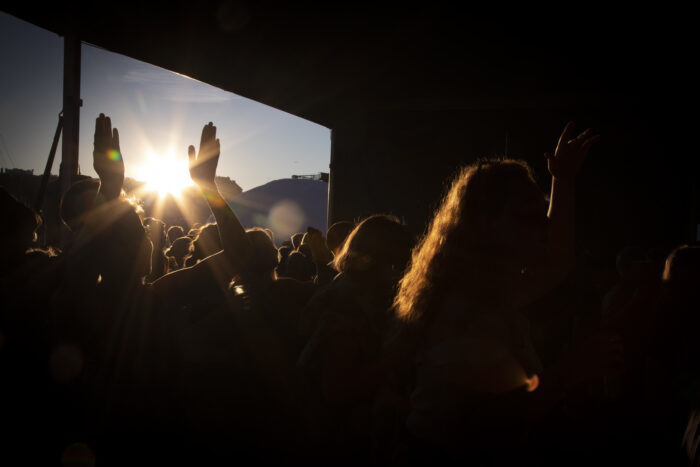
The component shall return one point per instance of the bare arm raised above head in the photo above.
(203, 165)
(564, 165)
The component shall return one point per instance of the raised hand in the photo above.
(237, 247)
(203, 165)
(107, 157)
(567, 159)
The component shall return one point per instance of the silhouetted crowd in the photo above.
(486, 341)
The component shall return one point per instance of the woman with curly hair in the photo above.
(493, 246)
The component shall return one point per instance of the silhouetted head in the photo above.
(128, 258)
(180, 249)
(155, 229)
(284, 251)
(378, 248)
(490, 225)
(680, 308)
(175, 232)
(18, 228)
(264, 258)
(207, 241)
(78, 201)
(336, 235)
(299, 267)
(296, 240)
(683, 266)
(283, 254)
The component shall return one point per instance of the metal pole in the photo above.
(71, 114)
(71, 110)
(49, 165)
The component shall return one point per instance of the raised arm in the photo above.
(86, 260)
(107, 159)
(235, 243)
(564, 165)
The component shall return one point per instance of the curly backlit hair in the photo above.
(458, 240)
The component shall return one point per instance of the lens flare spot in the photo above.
(532, 383)
(114, 155)
(78, 455)
(286, 219)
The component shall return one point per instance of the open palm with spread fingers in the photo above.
(107, 157)
(567, 159)
(237, 248)
(203, 165)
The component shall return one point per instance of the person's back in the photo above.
(346, 323)
(466, 340)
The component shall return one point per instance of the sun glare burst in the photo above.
(165, 173)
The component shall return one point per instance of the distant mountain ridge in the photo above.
(285, 206)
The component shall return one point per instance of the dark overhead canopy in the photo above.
(322, 62)
(411, 92)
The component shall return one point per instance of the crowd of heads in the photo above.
(360, 344)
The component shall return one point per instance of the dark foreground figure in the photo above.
(139, 345)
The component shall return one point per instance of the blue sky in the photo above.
(156, 111)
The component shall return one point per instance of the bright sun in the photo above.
(165, 174)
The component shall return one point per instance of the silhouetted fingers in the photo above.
(580, 138)
(115, 139)
(108, 126)
(203, 139)
(191, 155)
(584, 134)
(98, 125)
(567, 133)
(208, 134)
(101, 132)
(589, 142)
